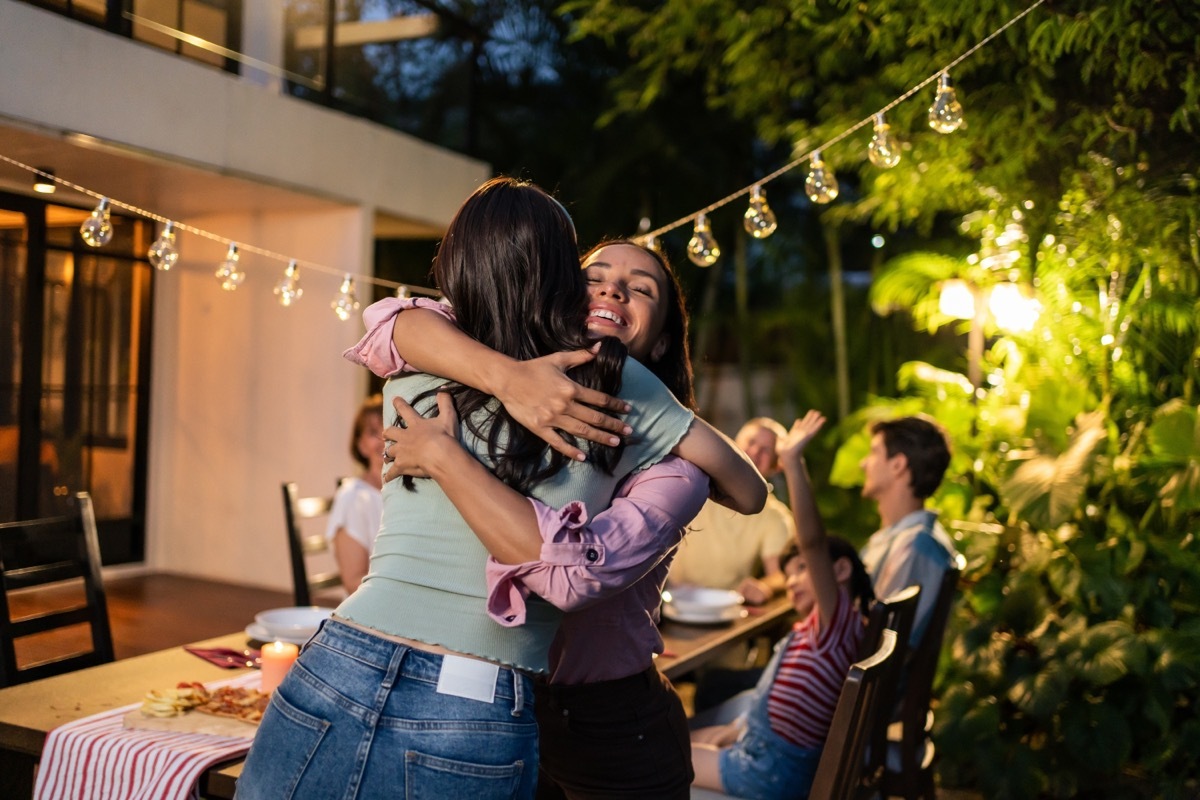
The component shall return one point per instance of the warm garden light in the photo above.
(43, 181)
(884, 149)
(97, 229)
(163, 253)
(957, 299)
(1012, 310)
(288, 290)
(821, 185)
(946, 113)
(759, 219)
(228, 273)
(702, 249)
(346, 301)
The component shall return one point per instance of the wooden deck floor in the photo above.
(150, 612)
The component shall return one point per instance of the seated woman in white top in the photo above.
(358, 504)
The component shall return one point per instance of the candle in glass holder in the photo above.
(277, 659)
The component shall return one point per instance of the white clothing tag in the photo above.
(469, 678)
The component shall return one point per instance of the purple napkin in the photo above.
(227, 658)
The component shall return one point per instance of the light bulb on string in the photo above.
(702, 249)
(884, 149)
(759, 219)
(821, 185)
(97, 229)
(345, 303)
(228, 273)
(162, 253)
(652, 243)
(288, 290)
(946, 113)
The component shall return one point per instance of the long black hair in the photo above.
(509, 265)
(674, 366)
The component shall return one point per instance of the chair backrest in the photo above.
(301, 546)
(922, 668)
(895, 613)
(839, 770)
(52, 550)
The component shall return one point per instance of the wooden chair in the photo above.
(908, 769)
(34, 553)
(839, 771)
(302, 546)
(895, 613)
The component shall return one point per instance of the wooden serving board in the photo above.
(192, 722)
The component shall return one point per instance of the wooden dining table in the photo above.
(29, 711)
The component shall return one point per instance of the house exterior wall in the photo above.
(245, 394)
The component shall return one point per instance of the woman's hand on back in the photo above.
(411, 449)
(540, 396)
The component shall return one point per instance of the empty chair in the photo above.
(302, 546)
(909, 765)
(52, 550)
(894, 613)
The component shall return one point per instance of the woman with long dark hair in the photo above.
(611, 725)
(411, 688)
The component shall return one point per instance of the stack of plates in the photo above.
(296, 624)
(706, 606)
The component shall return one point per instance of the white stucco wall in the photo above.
(244, 393)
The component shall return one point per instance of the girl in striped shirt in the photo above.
(771, 751)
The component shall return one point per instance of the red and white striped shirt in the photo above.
(811, 672)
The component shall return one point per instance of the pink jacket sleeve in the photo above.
(585, 560)
(376, 351)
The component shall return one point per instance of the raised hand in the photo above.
(539, 395)
(791, 447)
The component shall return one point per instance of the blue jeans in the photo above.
(360, 716)
(762, 765)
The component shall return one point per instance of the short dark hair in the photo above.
(923, 442)
(371, 407)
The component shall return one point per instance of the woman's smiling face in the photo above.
(627, 294)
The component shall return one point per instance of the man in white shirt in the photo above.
(728, 550)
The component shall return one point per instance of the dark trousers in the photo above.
(626, 738)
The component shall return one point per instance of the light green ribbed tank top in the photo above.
(426, 579)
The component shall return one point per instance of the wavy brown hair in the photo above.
(509, 265)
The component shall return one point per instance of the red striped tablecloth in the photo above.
(97, 757)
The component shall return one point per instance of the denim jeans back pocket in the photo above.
(428, 777)
(282, 753)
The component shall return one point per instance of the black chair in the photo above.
(839, 772)
(34, 553)
(895, 613)
(302, 546)
(908, 769)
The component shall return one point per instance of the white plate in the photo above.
(296, 622)
(261, 634)
(706, 617)
(699, 600)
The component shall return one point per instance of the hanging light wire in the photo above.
(870, 118)
(242, 247)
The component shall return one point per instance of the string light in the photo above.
(163, 253)
(821, 185)
(759, 219)
(884, 149)
(946, 113)
(402, 292)
(97, 229)
(346, 302)
(288, 290)
(228, 273)
(44, 182)
(703, 250)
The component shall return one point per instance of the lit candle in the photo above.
(277, 658)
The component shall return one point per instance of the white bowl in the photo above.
(296, 622)
(697, 600)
